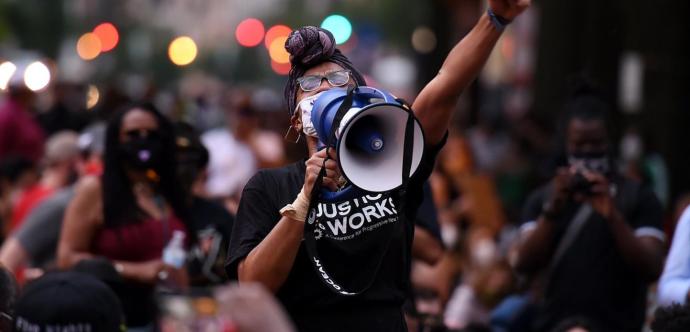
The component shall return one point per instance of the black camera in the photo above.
(580, 184)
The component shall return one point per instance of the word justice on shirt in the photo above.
(346, 220)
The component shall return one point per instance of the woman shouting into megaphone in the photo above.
(343, 264)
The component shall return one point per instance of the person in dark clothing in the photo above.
(362, 241)
(593, 234)
(68, 301)
(672, 318)
(68, 112)
(9, 290)
(211, 222)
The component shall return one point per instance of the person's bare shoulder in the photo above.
(90, 186)
(89, 194)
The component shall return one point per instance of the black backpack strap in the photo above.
(311, 222)
(408, 148)
(407, 164)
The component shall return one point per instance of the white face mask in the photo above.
(304, 106)
(631, 147)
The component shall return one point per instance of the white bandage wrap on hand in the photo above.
(298, 209)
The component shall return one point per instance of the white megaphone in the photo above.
(369, 138)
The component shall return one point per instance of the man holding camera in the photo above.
(594, 235)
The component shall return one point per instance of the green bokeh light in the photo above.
(339, 26)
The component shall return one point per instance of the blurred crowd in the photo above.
(521, 213)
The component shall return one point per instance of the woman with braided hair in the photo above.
(364, 242)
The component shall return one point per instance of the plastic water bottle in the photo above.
(174, 253)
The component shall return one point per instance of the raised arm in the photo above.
(435, 103)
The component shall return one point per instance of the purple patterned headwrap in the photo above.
(310, 46)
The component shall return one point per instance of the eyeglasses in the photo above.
(334, 78)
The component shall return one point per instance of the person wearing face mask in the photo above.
(593, 234)
(212, 222)
(364, 242)
(130, 213)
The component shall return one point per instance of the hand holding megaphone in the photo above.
(314, 164)
(366, 139)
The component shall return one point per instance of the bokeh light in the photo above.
(250, 32)
(280, 68)
(7, 69)
(395, 72)
(339, 26)
(274, 32)
(92, 97)
(182, 51)
(277, 50)
(108, 35)
(423, 40)
(89, 46)
(36, 76)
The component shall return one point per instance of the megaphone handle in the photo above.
(326, 194)
(342, 194)
(330, 141)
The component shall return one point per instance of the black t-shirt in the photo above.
(350, 244)
(212, 225)
(592, 279)
(427, 216)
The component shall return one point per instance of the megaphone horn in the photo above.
(366, 135)
(370, 137)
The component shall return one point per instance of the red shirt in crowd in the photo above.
(28, 200)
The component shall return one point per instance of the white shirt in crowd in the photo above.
(675, 281)
(231, 163)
